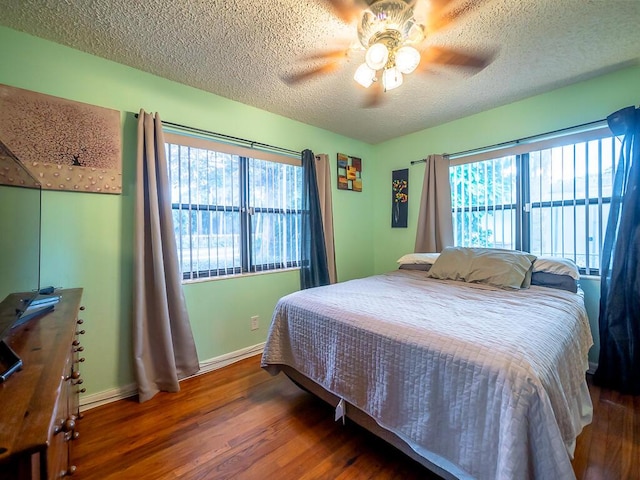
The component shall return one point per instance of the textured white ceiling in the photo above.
(241, 49)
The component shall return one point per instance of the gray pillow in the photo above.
(552, 280)
(509, 269)
(425, 267)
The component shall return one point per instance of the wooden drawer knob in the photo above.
(69, 472)
(69, 424)
(58, 428)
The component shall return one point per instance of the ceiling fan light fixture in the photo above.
(388, 31)
(391, 78)
(377, 56)
(365, 75)
(407, 59)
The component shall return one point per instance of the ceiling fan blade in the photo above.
(328, 55)
(373, 98)
(449, 56)
(437, 15)
(296, 78)
(346, 10)
(332, 60)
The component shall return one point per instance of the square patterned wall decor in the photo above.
(349, 173)
(65, 145)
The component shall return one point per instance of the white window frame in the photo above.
(521, 154)
(245, 210)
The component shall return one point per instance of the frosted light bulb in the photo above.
(391, 78)
(407, 59)
(377, 56)
(364, 75)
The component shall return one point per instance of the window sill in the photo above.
(238, 275)
(589, 277)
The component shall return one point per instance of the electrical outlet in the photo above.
(254, 322)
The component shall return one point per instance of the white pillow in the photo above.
(418, 258)
(556, 265)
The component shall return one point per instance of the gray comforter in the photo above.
(486, 383)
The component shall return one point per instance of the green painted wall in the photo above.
(87, 238)
(579, 103)
(591, 288)
(20, 239)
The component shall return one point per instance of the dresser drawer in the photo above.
(62, 427)
(39, 403)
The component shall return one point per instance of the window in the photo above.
(235, 210)
(547, 198)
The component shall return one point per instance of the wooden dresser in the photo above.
(39, 405)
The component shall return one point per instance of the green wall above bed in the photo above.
(582, 102)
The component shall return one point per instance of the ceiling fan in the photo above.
(393, 34)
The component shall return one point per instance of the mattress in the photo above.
(483, 382)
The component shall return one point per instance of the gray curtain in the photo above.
(164, 350)
(435, 224)
(323, 174)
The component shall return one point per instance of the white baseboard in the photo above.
(229, 358)
(593, 366)
(88, 402)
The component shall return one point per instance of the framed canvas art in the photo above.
(349, 173)
(65, 145)
(399, 198)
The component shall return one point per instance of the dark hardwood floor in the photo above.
(240, 423)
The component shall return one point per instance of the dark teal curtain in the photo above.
(619, 361)
(314, 271)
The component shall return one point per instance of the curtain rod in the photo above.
(514, 142)
(249, 143)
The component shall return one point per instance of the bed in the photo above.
(471, 379)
